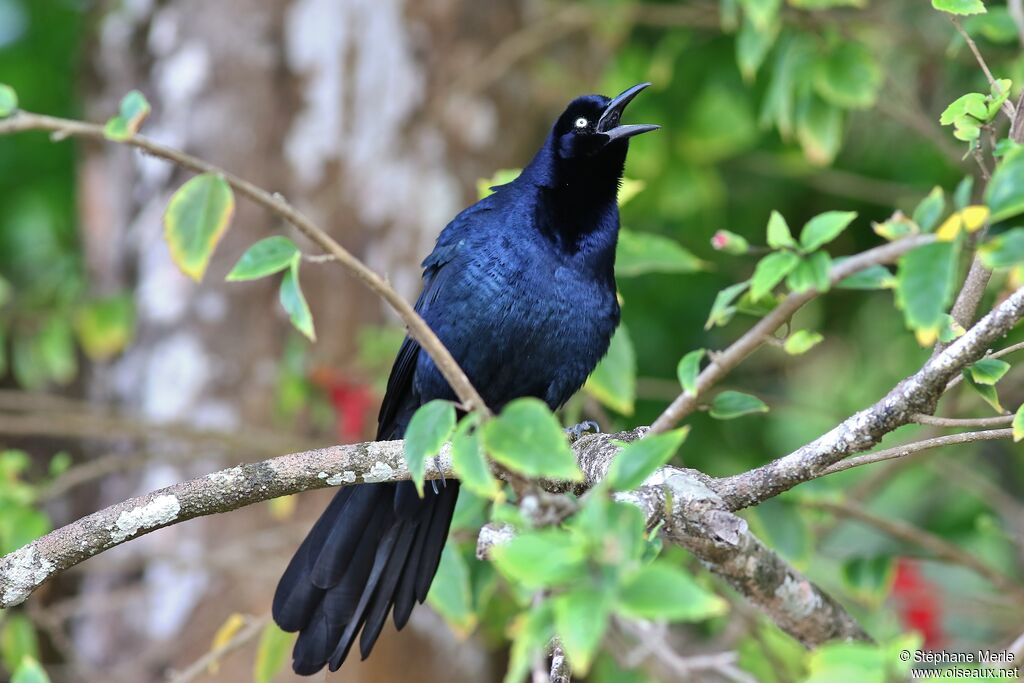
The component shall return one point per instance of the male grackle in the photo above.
(521, 289)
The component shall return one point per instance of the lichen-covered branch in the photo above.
(917, 394)
(697, 509)
(24, 570)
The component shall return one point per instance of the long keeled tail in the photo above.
(375, 547)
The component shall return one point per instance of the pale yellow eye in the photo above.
(581, 122)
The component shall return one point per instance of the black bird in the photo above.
(521, 289)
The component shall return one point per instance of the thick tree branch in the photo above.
(692, 514)
(917, 394)
(276, 204)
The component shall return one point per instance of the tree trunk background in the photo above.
(346, 108)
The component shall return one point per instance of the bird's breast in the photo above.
(526, 325)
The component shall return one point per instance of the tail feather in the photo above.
(358, 618)
(405, 595)
(436, 535)
(375, 547)
(347, 531)
(384, 596)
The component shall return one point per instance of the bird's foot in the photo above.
(576, 431)
(433, 482)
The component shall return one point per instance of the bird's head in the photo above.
(590, 126)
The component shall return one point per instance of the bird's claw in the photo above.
(578, 430)
(433, 482)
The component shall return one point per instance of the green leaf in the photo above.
(540, 559)
(811, 273)
(581, 618)
(761, 12)
(6, 292)
(196, 218)
(1005, 192)
(897, 226)
(770, 271)
(930, 209)
(795, 56)
(819, 128)
(998, 94)
(801, 341)
(826, 4)
(972, 104)
(47, 355)
(732, 404)
(966, 129)
(753, 44)
(849, 77)
(527, 438)
(294, 302)
(688, 370)
(133, 111)
(987, 392)
(639, 253)
(924, 288)
(17, 641)
(533, 632)
(639, 459)
(988, 370)
(824, 228)
(872, 277)
(951, 330)
(722, 309)
(1018, 424)
(959, 6)
(870, 578)
(1003, 251)
(779, 236)
(729, 242)
(8, 101)
(861, 662)
(661, 591)
(504, 176)
(428, 430)
(105, 327)
(30, 671)
(628, 189)
(271, 653)
(266, 257)
(613, 381)
(469, 462)
(963, 192)
(450, 593)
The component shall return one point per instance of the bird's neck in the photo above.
(579, 207)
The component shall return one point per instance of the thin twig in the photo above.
(916, 447)
(937, 546)
(963, 421)
(1008, 108)
(252, 629)
(651, 645)
(276, 204)
(723, 363)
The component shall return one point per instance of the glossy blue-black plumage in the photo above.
(520, 288)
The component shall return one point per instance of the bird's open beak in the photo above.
(609, 121)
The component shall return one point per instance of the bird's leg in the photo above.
(576, 431)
